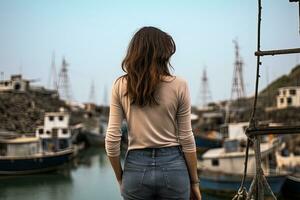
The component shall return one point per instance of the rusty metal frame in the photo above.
(254, 132)
(277, 52)
(278, 130)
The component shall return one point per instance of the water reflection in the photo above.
(55, 185)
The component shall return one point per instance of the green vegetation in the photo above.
(267, 98)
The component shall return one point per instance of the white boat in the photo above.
(230, 158)
(290, 161)
(221, 169)
(92, 131)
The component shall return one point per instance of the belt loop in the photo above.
(125, 159)
(153, 152)
(126, 155)
(180, 149)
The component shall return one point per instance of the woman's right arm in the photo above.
(187, 140)
(191, 161)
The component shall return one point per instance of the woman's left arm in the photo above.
(113, 133)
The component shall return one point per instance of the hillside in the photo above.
(267, 98)
(269, 93)
(22, 112)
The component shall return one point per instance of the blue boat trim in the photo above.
(203, 142)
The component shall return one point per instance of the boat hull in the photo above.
(34, 164)
(95, 139)
(203, 143)
(291, 187)
(228, 184)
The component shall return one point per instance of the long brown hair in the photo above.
(147, 60)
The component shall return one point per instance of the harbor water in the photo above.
(90, 176)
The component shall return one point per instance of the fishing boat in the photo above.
(227, 184)
(221, 169)
(205, 129)
(291, 186)
(93, 130)
(94, 138)
(49, 148)
(213, 139)
(24, 155)
(207, 141)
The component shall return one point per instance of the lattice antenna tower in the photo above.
(64, 86)
(92, 96)
(1, 76)
(205, 94)
(238, 87)
(52, 81)
(105, 97)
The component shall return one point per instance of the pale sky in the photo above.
(93, 37)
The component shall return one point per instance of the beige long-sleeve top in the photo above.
(164, 125)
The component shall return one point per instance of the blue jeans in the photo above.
(155, 173)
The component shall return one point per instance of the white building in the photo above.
(56, 132)
(288, 97)
(16, 83)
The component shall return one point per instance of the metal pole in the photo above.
(277, 52)
(258, 63)
(259, 195)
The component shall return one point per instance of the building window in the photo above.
(281, 100)
(215, 162)
(61, 118)
(51, 118)
(41, 131)
(6, 83)
(17, 86)
(48, 132)
(289, 101)
(224, 131)
(292, 92)
(64, 131)
(284, 92)
(54, 130)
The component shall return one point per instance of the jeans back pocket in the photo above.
(176, 177)
(132, 179)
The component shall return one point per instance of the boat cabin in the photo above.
(19, 147)
(234, 130)
(230, 158)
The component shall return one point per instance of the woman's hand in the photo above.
(116, 164)
(120, 185)
(195, 192)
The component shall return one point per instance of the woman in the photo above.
(161, 161)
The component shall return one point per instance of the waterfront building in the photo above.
(55, 134)
(288, 97)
